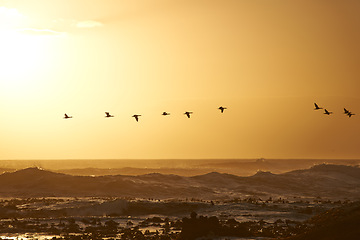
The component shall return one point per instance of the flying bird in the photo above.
(188, 114)
(66, 116)
(136, 116)
(165, 113)
(350, 114)
(222, 109)
(346, 111)
(327, 112)
(108, 115)
(317, 107)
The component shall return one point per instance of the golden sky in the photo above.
(267, 61)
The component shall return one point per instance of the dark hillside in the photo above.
(336, 224)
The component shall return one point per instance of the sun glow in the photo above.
(21, 55)
(24, 53)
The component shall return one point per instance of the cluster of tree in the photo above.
(210, 227)
(341, 219)
(94, 228)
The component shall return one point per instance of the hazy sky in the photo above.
(267, 61)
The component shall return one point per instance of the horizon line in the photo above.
(176, 159)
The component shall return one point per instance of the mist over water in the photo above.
(182, 167)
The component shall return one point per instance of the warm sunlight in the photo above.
(24, 53)
(266, 64)
(181, 120)
(21, 56)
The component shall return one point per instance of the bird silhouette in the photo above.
(346, 111)
(327, 112)
(222, 109)
(317, 107)
(188, 114)
(165, 113)
(66, 116)
(350, 113)
(108, 115)
(136, 116)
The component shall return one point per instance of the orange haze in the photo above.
(266, 61)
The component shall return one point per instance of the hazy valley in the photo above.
(158, 205)
(327, 181)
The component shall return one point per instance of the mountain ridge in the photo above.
(325, 180)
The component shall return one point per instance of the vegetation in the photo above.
(21, 216)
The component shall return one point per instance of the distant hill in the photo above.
(327, 181)
(183, 167)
